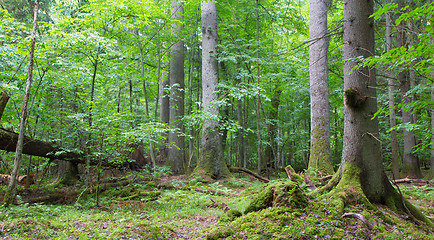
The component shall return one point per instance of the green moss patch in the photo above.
(281, 194)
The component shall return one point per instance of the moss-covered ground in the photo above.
(140, 209)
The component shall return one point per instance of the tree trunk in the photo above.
(410, 162)
(4, 98)
(176, 140)
(258, 98)
(432, 134)
(11, 191)
(320, 151)
(392, 117)
(361, 140)
(361, 170)
(211, 162)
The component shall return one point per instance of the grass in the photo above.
(186, 214)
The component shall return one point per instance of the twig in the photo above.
(361, 218)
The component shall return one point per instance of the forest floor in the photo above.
(151, 206)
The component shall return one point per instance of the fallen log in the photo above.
(210, 191)
(248, 172)
(216, 204)
(8, 142)
(408, 180)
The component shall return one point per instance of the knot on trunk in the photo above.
(354, 98)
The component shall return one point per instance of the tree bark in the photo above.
(176, 140)
(361, 169)
(392, 117)
(211, 162)
(11, 192)
(4, 98)
(410, 162)
(320, 151)
(258, 98)
(8, 142)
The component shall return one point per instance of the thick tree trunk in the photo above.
(176, 140)
(361, 170)
(4, 98)
(211, 161)
(10, 193)
(320, 151)
(258, 98)
(392, 117)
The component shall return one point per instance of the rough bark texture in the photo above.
(410, 163)
(392, 117)
(361, 139)
(320, 151)
(211, 161)
(176, 140)
(4, 98)
(362, 179)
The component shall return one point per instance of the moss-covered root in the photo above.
(348, 190)
(329, 186)
(397, 203)
(283, 194)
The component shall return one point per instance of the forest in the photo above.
(207, 119)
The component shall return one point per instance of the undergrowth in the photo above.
(141, 209)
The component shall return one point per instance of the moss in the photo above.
(219, 232)
(230, 216)
(295, 177)
(320, 155)
(349, 189)
(263, 200)
(283, 194)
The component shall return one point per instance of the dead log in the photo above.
(408, 180)
(8, 142)
(308, 181)
(216, 204)
(209, 191)
(248, 172)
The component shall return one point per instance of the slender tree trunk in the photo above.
(432, 134)
(241, 137)
(320, 151)
(410, 162)
(11, 192)
(176, 139)
(211, 162)
(392, 117)
(258, 98)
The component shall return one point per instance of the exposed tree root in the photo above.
(249, 173)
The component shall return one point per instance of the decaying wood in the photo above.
(308, 181)
(325, 178)
(361, 218)
(290, 173)
(199, 190)
(248, 172)
(216, 204)
(408, 180)
(8, 142)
